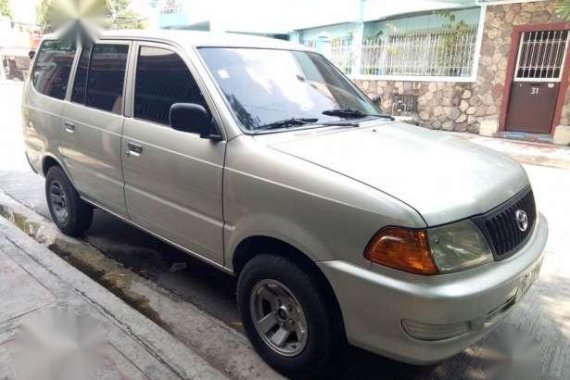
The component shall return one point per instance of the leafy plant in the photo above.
(563, 9)
(456, 32)
(5, 9)
(112, 14)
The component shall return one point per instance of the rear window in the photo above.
(53, 66)
(106, 77)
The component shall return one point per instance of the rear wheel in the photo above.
(71, 214)
(289, 317)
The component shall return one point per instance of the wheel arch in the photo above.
(253, 246)
(48, 161)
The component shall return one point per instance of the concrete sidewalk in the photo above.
(34, 282)
(533, 153)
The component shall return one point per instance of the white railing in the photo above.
(341, 54)
(338, 50)
(170, 6)
(445, 52)
(309, 43)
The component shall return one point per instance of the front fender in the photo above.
(276, 227)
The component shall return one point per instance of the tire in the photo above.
(325, 337)
(71, 214)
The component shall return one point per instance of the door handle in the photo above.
(69, 126)
(134, 149)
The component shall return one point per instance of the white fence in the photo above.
(341, 54)
(442, 52)
(339, 51)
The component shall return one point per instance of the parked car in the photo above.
(16, 62)
(261, 158)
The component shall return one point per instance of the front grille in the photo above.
(500, 225)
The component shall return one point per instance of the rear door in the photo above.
(173, 179)
(93, 123)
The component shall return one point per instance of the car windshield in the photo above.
(275, 89)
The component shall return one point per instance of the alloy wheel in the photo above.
(278, 318)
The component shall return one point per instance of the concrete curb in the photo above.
(160, 344)
(222, 346)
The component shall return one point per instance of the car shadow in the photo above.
(214, 292)
(209, 288)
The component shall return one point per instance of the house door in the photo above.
(536, 83)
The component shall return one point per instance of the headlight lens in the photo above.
(458, 246)
(436, 250)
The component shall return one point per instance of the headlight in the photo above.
(436, 250)
(458, 246)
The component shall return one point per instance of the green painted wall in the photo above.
(419, 22)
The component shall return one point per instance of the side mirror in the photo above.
(193, 118)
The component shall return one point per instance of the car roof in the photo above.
(200, 39)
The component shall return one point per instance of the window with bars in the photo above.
(310, 43)
(436, 52)
(170, 6)
(338, 50)
(541, 56)
(447, 52)
(341, 54)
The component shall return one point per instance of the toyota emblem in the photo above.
(522, 220)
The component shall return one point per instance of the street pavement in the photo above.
(196, 303)
(56, 308)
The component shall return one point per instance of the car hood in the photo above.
(445, 178)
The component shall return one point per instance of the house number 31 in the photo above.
(534, 91)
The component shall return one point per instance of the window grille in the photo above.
(446, 52)
(541, 56)
(170, 6)
(404, 105)
(341, 54)
(309, 43)
(338, 50)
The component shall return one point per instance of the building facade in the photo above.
(498, 67)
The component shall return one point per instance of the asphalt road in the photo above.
(543, 316)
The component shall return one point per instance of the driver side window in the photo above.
(162, 79)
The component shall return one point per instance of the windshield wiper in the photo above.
(287, 123)
(350, 113)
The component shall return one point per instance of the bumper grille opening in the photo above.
(501, 226)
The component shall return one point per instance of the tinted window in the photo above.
(52, 68)
(106, 77)
(78, 92)
(162, 80)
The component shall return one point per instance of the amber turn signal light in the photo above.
(403, 249)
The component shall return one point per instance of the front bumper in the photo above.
(376, 301)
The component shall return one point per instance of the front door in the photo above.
(536, 82)
(173, 179)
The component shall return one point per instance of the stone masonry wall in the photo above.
(463, 106)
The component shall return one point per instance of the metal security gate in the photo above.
(536, 82)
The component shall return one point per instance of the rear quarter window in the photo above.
(53, 66)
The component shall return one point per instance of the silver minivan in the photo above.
(261, 158)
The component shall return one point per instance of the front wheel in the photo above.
(69, 212)
(288, 317)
